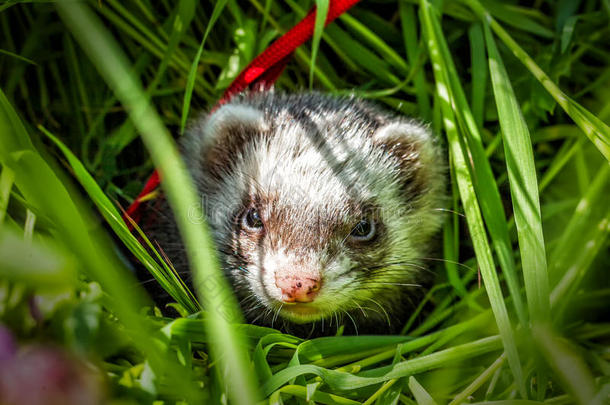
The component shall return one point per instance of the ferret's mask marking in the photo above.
(312, 171)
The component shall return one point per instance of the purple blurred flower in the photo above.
(8, 348)
(38, 375)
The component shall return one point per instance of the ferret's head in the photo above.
(320, 206)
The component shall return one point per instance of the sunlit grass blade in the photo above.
(523, 186)
(421, 395)
(593, 127)
(324, 78)
(209, 282)
(190, 81)
(321, 13)
(466, 189)
(482, 177)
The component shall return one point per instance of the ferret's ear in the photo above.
(221, 137)
(233, 118)
(417, 153)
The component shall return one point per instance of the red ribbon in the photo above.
(261, 73)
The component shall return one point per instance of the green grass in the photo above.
(519, 94)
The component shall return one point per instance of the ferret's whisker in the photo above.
(277, 312)
(450, 211)
(447, 261)
(361, 309)
(352, 319)
(381, 308)
(400, 284)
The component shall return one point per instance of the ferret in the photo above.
(322, 209)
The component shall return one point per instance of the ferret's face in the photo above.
(311, 216)
(306, 257)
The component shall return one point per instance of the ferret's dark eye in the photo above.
(364, 231)
(252, 220)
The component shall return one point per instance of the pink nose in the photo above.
(298, 288)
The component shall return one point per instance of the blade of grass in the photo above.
(368, 35)
(7, 177)
(300, 55)
(510, 15)
(478, 73)
(363, 56)
(466, 189)
(346, 381)
(483, 181)
(211, 286)
(421, 395)
(179, 24)
(16, 56)
(321, 13)
(593, 127)
(337, 48)
(568, 365)
(583, 234)
(318, 396)
(154, 45)
(523, 187)
(408, 22)
(190, 81)
(475, 322)
(479, 381)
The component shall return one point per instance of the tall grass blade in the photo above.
(593, 127)
(321, 13)
(211, 286)
(192, 75)
(408, 22)
(184, 15)
(523, 187)
(483, 180)
(466, 188)
(478, 73)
